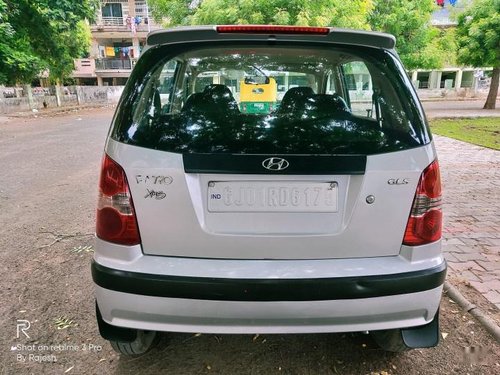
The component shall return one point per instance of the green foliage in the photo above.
(409, 22)
(446, 42)
(17, 61)
(478, 34)
(69, 45)
(172, 12)
(351, 14)
(36, 35)
(419, 44)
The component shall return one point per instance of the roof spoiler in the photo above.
(194, 34)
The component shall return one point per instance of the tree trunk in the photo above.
(492, 95)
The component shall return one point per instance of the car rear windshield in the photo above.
(270, 99)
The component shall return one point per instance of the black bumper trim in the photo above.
(252, 164)
(222, 289)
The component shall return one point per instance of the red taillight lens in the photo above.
(116, 221)
(271, 29)
(425, 222)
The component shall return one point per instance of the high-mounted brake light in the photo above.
(271, 29)
(425, 221)
(115, 219)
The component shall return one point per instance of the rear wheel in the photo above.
(390, 340)
(144, 341)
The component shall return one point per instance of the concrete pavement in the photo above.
(471, 194)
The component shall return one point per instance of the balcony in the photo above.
(119, 24)
(109, 24)
(84, 68)
(114, 64)
(112, 21)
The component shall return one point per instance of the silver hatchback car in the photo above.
(269, 179)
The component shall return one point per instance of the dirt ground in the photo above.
(48, 179)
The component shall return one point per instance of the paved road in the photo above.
(459, 108)
(48, 178)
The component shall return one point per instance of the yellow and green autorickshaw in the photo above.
(258, 95)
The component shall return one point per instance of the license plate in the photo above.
(276, 196)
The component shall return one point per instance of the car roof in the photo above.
(195, 34)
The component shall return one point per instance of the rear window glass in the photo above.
(261, 99)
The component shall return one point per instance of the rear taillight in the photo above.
(116, 221)
(425, 222)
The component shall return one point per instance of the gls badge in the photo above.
(398, 181)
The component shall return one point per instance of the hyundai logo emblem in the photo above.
(275, 164)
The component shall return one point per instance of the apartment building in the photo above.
(118, 36)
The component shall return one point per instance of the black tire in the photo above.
(145, 341)
(390, 340)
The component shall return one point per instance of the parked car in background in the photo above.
(319, 211)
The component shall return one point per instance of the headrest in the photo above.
(214, 98)
(294, 97)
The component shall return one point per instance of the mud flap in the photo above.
(114, 333)
(426, 336)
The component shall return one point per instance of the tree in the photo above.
(351, 14)
(418, 43)
(173, 12)
(17, 59)
(409, 21)
(478, 40)
(36, 35)
(68, 46)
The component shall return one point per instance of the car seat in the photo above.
(215, 98)
(294, 99)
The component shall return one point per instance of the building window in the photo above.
(112, 10)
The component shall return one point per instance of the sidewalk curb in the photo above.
(489, 324)
(448, 99)
(461, 116)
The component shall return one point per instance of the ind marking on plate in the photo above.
(276, 196)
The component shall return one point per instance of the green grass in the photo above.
(483, 131)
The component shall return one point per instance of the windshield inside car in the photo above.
(270, 99)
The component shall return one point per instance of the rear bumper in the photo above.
(230, 289)
(214, 305)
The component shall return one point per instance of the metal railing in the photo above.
(112, 21)
(114, 64)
